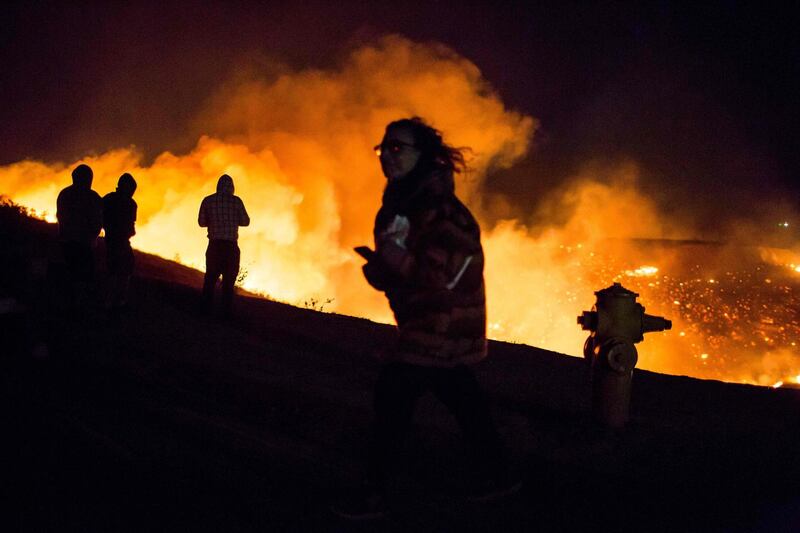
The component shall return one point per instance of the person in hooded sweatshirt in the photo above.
(79, 211)
(222, 213)
(119, 222)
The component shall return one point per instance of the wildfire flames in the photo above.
(298, 148)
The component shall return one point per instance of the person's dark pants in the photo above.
(222, 259)
(399, 387)
(79, 259)
(120, 261)
(79, 262)
(119, 256)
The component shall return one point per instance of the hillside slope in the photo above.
(170, 420)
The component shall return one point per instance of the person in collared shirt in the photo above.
(222, 213)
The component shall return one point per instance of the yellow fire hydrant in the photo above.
(617, 322)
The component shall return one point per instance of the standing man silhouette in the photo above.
(79, 211)
(222, 213)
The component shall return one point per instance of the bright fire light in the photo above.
(299, 150)
(642, 271)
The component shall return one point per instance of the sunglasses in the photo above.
(391, 147)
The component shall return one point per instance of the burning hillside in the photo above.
(298, 146)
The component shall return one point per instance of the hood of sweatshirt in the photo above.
(225, 184)
(126, 185)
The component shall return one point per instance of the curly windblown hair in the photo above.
(435, 153)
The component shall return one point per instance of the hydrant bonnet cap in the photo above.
(616, 290)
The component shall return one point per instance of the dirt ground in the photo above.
(170, 420)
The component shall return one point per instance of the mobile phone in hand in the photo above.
(365, 252)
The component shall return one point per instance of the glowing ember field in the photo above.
(736, 316)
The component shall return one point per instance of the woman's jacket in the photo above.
(429, 262)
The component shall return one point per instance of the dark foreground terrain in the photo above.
(169, 420)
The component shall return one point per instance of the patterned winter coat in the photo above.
(433, 278)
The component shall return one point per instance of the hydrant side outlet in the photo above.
(617, 322)
(588, 321)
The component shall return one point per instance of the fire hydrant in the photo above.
(617, 322)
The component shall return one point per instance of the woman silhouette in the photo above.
(428, 260)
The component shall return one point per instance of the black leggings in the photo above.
(399, 387)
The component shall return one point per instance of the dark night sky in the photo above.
(704, 98)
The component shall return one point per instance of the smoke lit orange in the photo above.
(299, 149)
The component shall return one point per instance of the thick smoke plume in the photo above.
(299, 147)
(298, 144)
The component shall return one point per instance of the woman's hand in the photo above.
(395, 257)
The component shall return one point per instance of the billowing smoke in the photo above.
(298, 144)
(299, 147)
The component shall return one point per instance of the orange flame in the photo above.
(298, 148)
